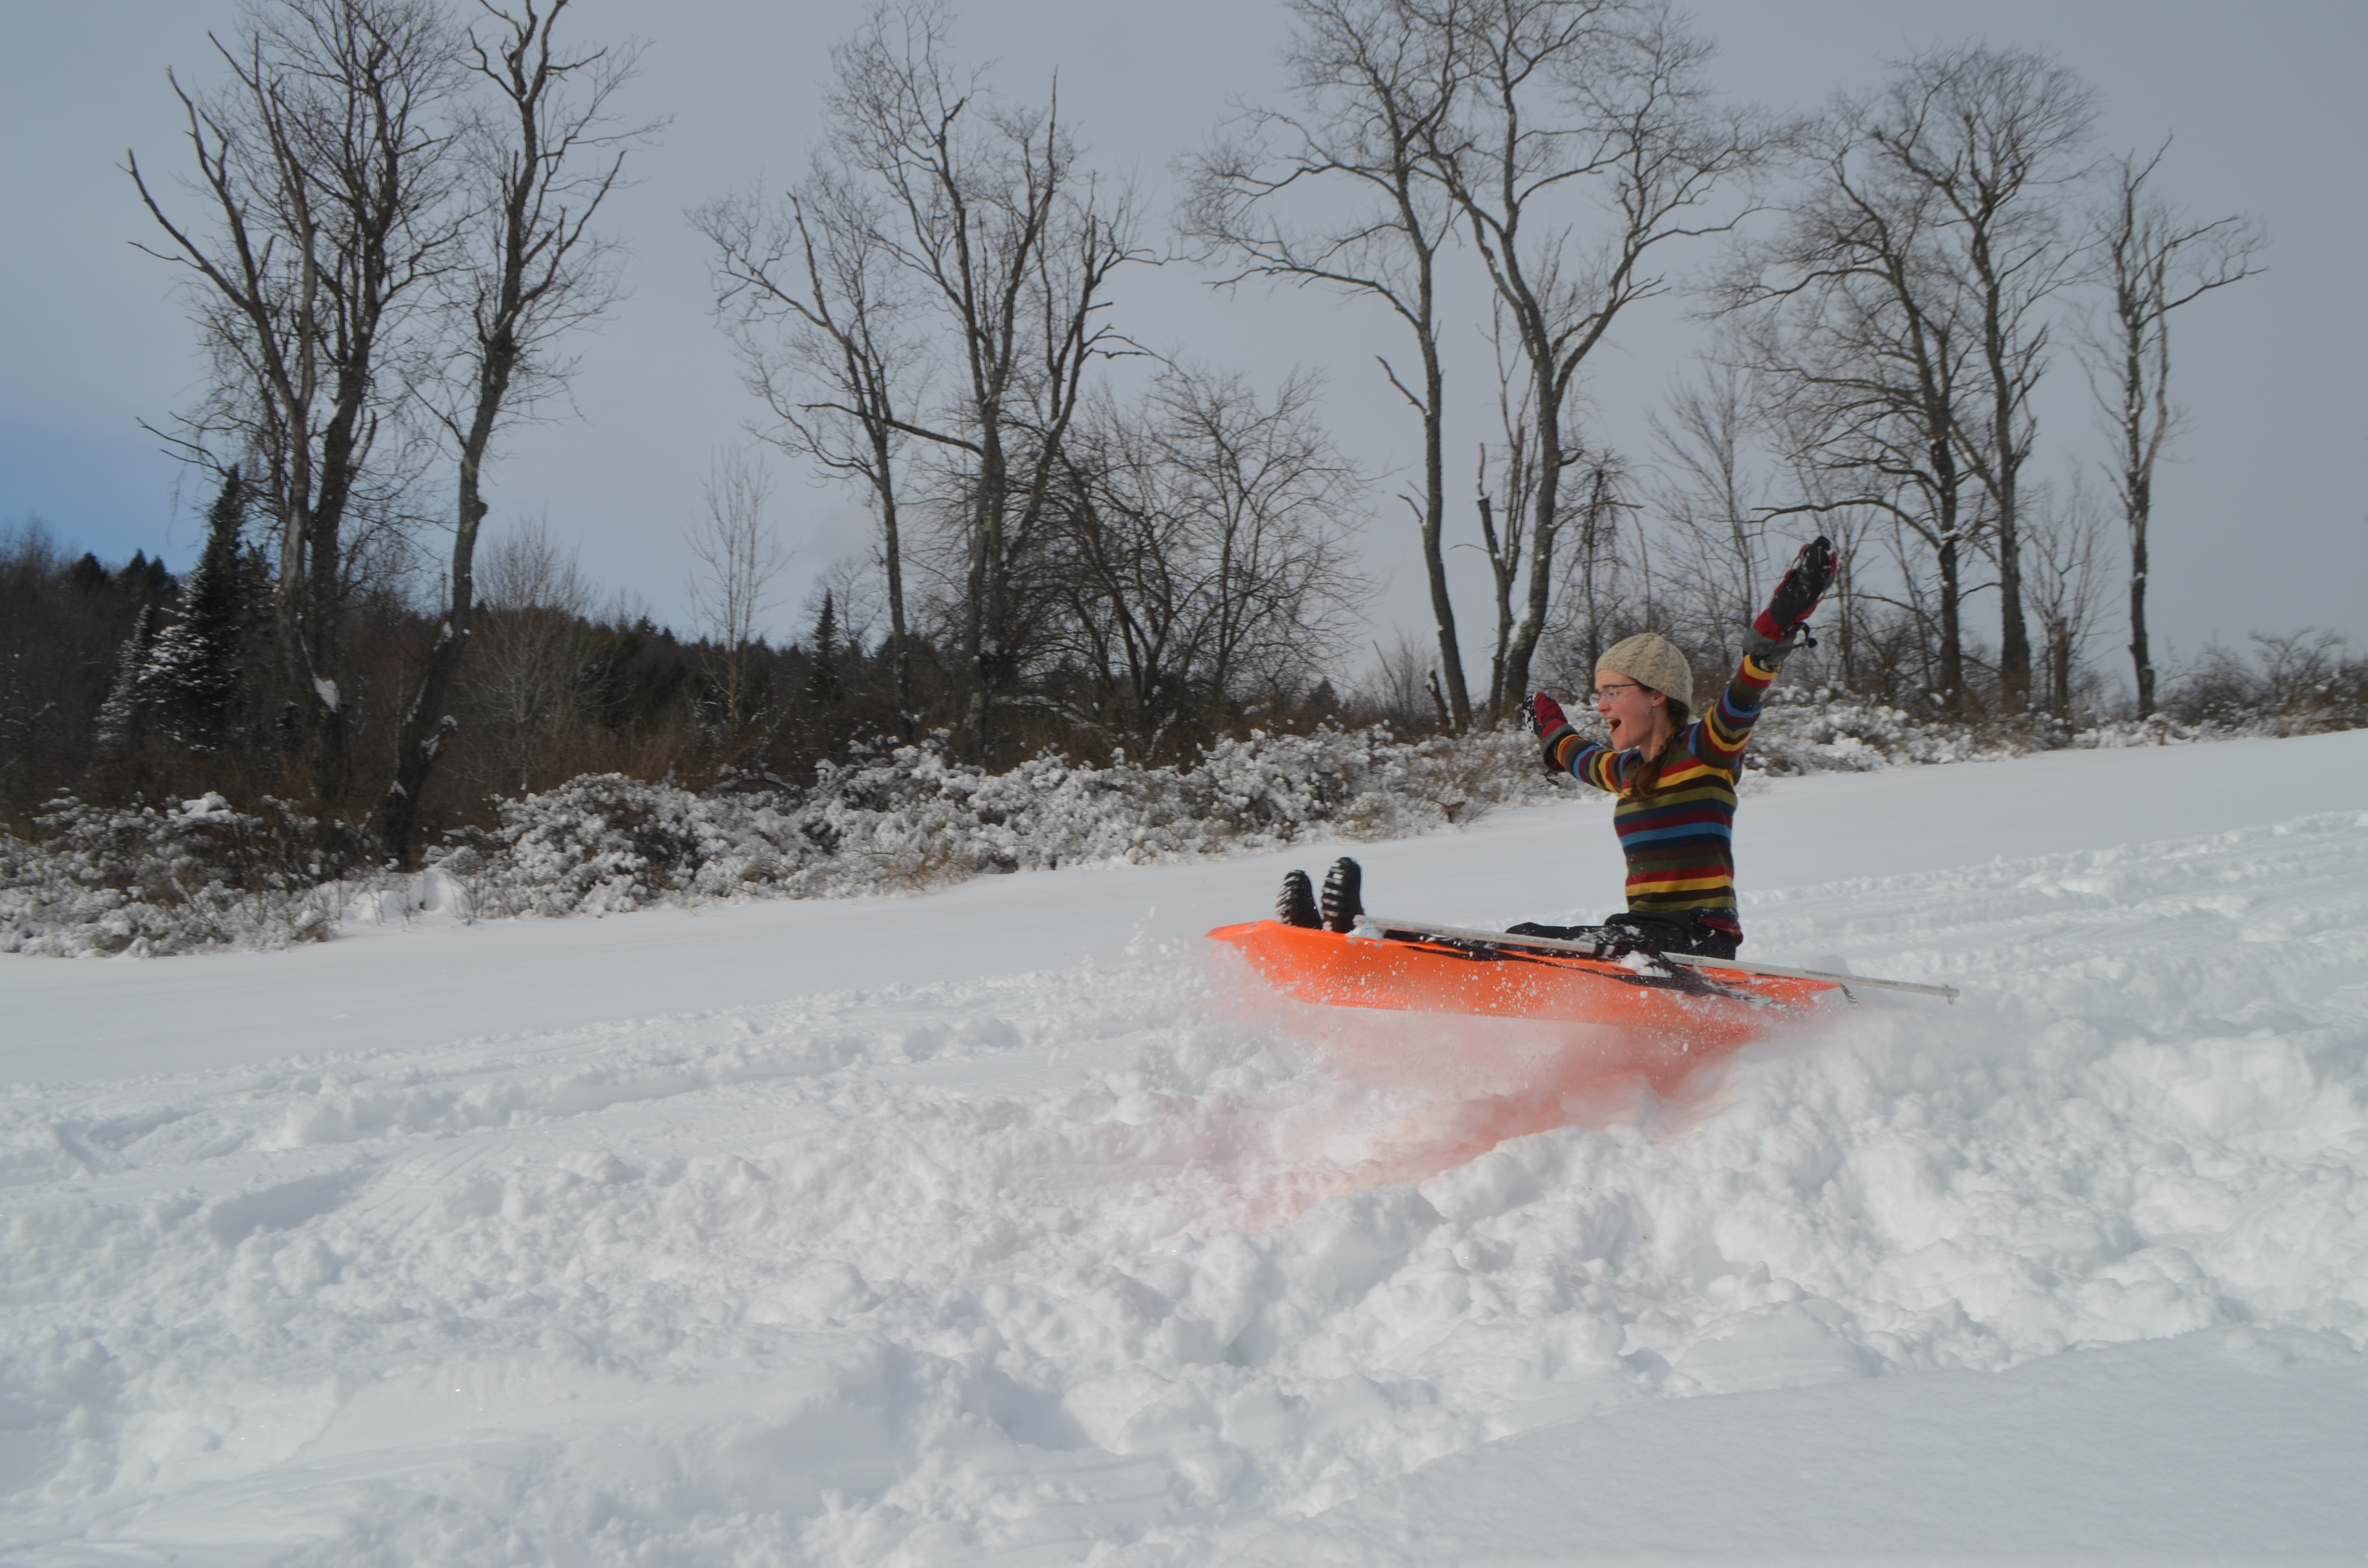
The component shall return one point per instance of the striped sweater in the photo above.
(1680, 842)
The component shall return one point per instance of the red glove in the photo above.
(1547, 718)
(1797, 596)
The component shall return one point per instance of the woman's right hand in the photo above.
(1552, 726)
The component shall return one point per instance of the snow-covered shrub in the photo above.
(603, 843)
(149, 881)
(2155, 730)
(142, 879)
(1367, 783)
(1822, 730)
(915, 818)
(2304, 683)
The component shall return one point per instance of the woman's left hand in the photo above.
(1796, 596)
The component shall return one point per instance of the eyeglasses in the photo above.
(1604, 694)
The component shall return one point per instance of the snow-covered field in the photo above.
(1010, 1225)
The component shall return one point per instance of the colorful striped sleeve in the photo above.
(1724, 732)
(1593, 764)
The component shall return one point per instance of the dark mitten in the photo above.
(1776, 630)
(1549, 724)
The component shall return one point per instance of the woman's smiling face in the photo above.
(1627, 707)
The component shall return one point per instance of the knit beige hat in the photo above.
(1651, 660)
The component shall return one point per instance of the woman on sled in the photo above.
(1674, 774)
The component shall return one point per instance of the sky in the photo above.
(2259, 526)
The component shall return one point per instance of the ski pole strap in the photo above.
(1377, 927)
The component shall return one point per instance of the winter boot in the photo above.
(1343, 896)
(1295, 906)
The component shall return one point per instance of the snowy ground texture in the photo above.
(1010, 1225)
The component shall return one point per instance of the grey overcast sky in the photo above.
(2261, 523)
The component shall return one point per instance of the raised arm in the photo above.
(1720, 738)
(1564, 750)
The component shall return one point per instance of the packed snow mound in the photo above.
(1135, 1261)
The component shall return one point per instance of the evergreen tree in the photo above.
(148, 584)
(118, 716)
(127, 691)
(192, 676)
(824, 687)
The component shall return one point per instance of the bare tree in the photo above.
(1902, 314)
(857, 591)
(1204, 550)
(1993, 135)
(1863, 359)
(1710, 493)
(1593, 506)
(1564, 100)
(824, 316)
(1377, 82)
(2067, 583)
(325, 167)
(1404, 685)
(1511, 470)
(1711, 504)
(530, 269)
(529, 648)
(1594, 606)
(1011, 244)
(2154, 261)
(737, 581)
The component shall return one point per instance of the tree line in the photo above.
(1886, 282)
(387, 213)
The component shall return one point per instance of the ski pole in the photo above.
(1375, 928)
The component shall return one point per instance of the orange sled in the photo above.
(1521, 1034)
(1689, 1011)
